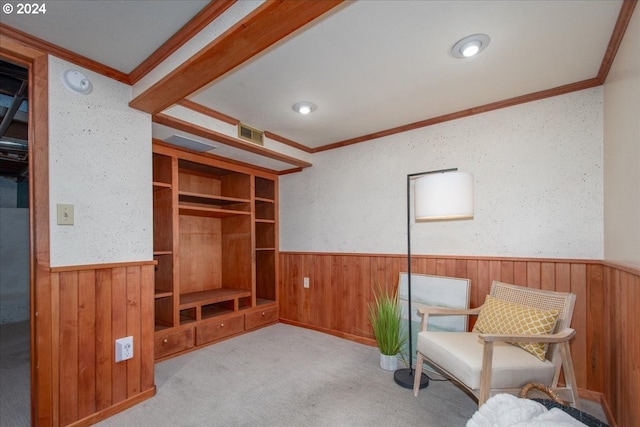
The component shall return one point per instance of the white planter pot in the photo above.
(388, 363)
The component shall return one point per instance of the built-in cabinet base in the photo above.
(174, 341)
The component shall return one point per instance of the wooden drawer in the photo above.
(216, 330)
(173, 342)
(261, 317)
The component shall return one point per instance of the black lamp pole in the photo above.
(405, 376)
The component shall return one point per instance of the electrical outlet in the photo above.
(305, 282)
(124, 349)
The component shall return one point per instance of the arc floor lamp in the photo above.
(444, 194)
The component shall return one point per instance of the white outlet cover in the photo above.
(124, 349)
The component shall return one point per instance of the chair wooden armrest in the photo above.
(562, 336)
(425, 312)
(447, 311)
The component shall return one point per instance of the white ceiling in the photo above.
(375, 65)
(367, 65)
(117, 33)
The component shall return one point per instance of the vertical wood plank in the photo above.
(619, 322)
(296, 292)
(323, 268)
(54, 359)
(451, 266)
(579, 321)
(306, 295)
(287, 303)
(506, 271)
(361, 290)
(626, 364)
(611, 327)
(563, 277)
(548, 276)
(395, 265)
(103, 339)
(632, 298)
(133, 329)
(68, 347)
(336, 292)
(118, 330)
(595, 327)
(86, 343)
(421, 265)
(432, 266)
(283, 305)
(484, 281)
(495, 271)
(352, 281)
(534, 274)
(520, 273)
(146, 327)
(461, 268)
(472, 275)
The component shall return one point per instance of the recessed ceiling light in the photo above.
(304, 107)
(470, 46)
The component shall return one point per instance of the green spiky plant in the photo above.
(385, 315)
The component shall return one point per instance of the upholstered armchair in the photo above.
(521, 336)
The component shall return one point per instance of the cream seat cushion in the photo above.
(461, 353)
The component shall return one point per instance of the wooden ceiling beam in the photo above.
(262, 28)
(206, 16)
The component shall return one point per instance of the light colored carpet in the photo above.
(15, 374)
(277, 376)
(288, 376)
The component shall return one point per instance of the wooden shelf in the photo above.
(161, 326)
(215, 311)
(265, 249)
(266, 221)
(209, 212)
(263, 200)
(160, 253)
(187, 196)
(195, 299)
(157, 185)
(159, 293)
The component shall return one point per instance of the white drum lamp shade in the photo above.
(442, 196)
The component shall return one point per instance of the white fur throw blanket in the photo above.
(505, 410)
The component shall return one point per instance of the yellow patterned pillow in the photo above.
(502, 317)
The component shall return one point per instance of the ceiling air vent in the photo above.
(250, 134)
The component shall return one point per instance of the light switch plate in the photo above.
(65, 214)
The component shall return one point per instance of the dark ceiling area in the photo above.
(14, 126)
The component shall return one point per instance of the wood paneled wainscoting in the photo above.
(605, 351)
(87, 309)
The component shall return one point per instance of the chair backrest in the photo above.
(542, 300)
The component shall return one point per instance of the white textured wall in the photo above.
(99, 161)
(622, 152)
(538, 186)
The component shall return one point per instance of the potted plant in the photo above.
(385, 315)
